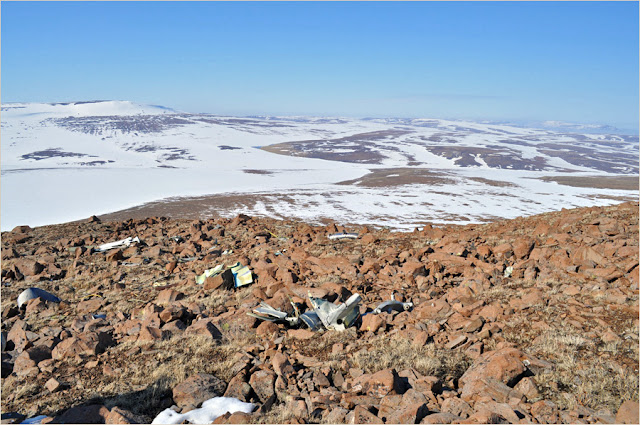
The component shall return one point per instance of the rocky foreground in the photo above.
(532, 320)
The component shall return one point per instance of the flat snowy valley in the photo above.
(118, 159)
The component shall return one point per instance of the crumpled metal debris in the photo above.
(240, 275)
(508, 271)
(209, 273)
(343, 235)
(392, 305)
(324, 314)
(124, 242)
(338, 317)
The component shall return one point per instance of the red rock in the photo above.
(122, 416)
(222, 280)
(198, 388)
(263, 382)
(527, 387)
(474, 325)
(456, 342)
(148, 333)
(18, 335)
(91, 414)
(414, 268)
(362, 416)
(26, 363)
(114, 255)
(584, 254)
(522, 247)
(171, 266)
(34, 306)
(503, 251)
(204, 327)
(628, 413)
(239, 388)
(281, 365)
(167, 296)
(411, 414)
(173, 328)
(372, 322)
(267, 329)
(489, 387)
(475, 350)
(300, 334)
(382, 383)
(53, 385)
(91, 305)
(90, 343)
(545, 411)
(505, 365)
(29, 267)
(442, 418)
(532, 297)
(503, 410)
(484, 251)
(457, 407)
(172, 312)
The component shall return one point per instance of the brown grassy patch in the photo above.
(398, 353)
(390, 177)
(599, 182)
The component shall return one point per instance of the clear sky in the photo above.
(571, 61)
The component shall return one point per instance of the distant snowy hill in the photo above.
(67, 161)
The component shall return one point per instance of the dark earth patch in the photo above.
(54, 153)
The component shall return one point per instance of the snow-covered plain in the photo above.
(63, 162)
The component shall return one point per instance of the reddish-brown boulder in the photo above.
(372, 322)
(29, 267)
(628, 413)
(204, 327)
(382, 383)
(545, 412)
(167, 296)
(26, 363)
(90, 343)
(263, 383)
(198, 388)
(505, 365)
(442, 418)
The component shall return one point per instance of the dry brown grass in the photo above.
(581, 374)
(398, 353)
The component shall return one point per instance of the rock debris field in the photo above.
(530, 320)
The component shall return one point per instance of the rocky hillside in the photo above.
(532, 320)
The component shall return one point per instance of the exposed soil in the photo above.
(391, 177)
(599, 182)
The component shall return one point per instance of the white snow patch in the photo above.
(210, 410)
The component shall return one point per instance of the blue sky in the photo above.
(572, 61)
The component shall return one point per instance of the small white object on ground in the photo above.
(31, 293)
(124, 242)
(210, 410)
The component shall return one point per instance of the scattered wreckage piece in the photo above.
(325, 314)
(312, 320)
(338, 317)
(235, 276)
(209, 273)
(242, 275)
(31, 293)
(343, 235)
(124, 242)
(392, 305)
